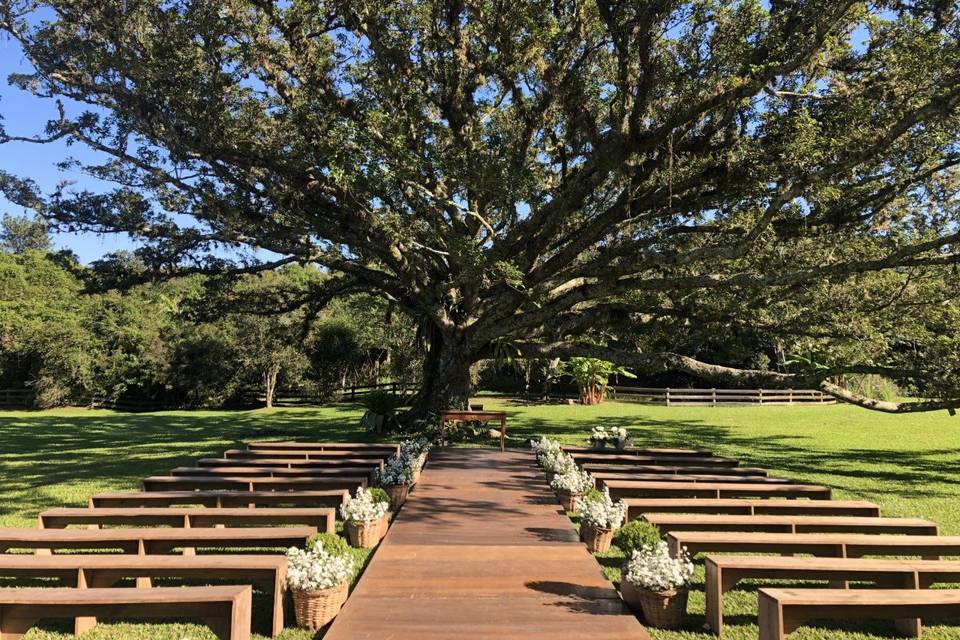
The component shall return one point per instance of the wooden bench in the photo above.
(673, 461)
(637, 489)
(268, 572)
(598, 467)
(387, 448)
(293, 454)
(636, 507)
(147, 541)
(693, 477)
(781, 611)
(253, 483)
(323, 463)
(276, 472)
(670, 522)
(324, 519)
(642, 451)
(225, 609)
(836, 545)
(328, 498)
(724, 572)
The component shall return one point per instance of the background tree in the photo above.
(532, 171)
(19, 234)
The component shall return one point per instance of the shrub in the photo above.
(380, 402)
(379, 495)
(329, 542)
(635, 536)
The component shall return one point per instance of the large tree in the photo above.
(532, 172)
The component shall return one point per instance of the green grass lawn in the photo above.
(908, 464)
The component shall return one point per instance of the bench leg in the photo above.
(770, 618)
(714, 593)
(910, 627)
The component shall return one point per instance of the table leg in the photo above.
(503, 432)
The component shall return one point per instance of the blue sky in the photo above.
(24, 114)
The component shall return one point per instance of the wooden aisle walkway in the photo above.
(482, 550)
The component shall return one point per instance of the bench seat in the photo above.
(225, 609)
(380, 447)
(293, 454)
(145, 541)
(639, 489)
(252, 483)
(582, 458)
(267, 572)
(599, 467)
(323, 518)
(276, 472)
(287, 463)
(781, 611)
(836, 545)
(689, 477)
(669, 522)
(326, 498)
(636, 507)
(641, 451)
(724, 572)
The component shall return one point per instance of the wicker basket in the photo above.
(663, 609)
(314, 609)
(630, 594)
(363, 535)
(398, 494)
(569, 500)
(598, 539)
(383, 526)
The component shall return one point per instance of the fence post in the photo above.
(713, 396)
(668, 396)
(790, 396)
(761, 396)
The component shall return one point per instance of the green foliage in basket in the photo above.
(635, 536)
(379, 495)
(332, 543)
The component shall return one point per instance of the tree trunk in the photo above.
(270, 383)
(446, 376)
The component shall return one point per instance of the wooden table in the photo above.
(478, 416)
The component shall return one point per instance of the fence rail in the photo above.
(713, 397)
(16, 398)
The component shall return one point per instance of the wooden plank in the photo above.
(226, 609)
(275, 472)
(252, 483)
(481, 550)
(643, 451)
(582, 458)
(690, 477)
(324, 519)
(388, 448)
(154, 540)
(636, 489)
(599, 467)
(292, 463)
(325, 498)
(293, 454)
(636, 507)
(849, 545)
(669, 522)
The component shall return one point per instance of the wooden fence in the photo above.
(713, 397)
(15, 398)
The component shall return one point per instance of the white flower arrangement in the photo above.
(544, 446)
(316, 570)
(653, 569)
(414, 449)
(574, 481)
(600, 435)
(602, 512)
(397, 470)
(362, 508)
(557, 461)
